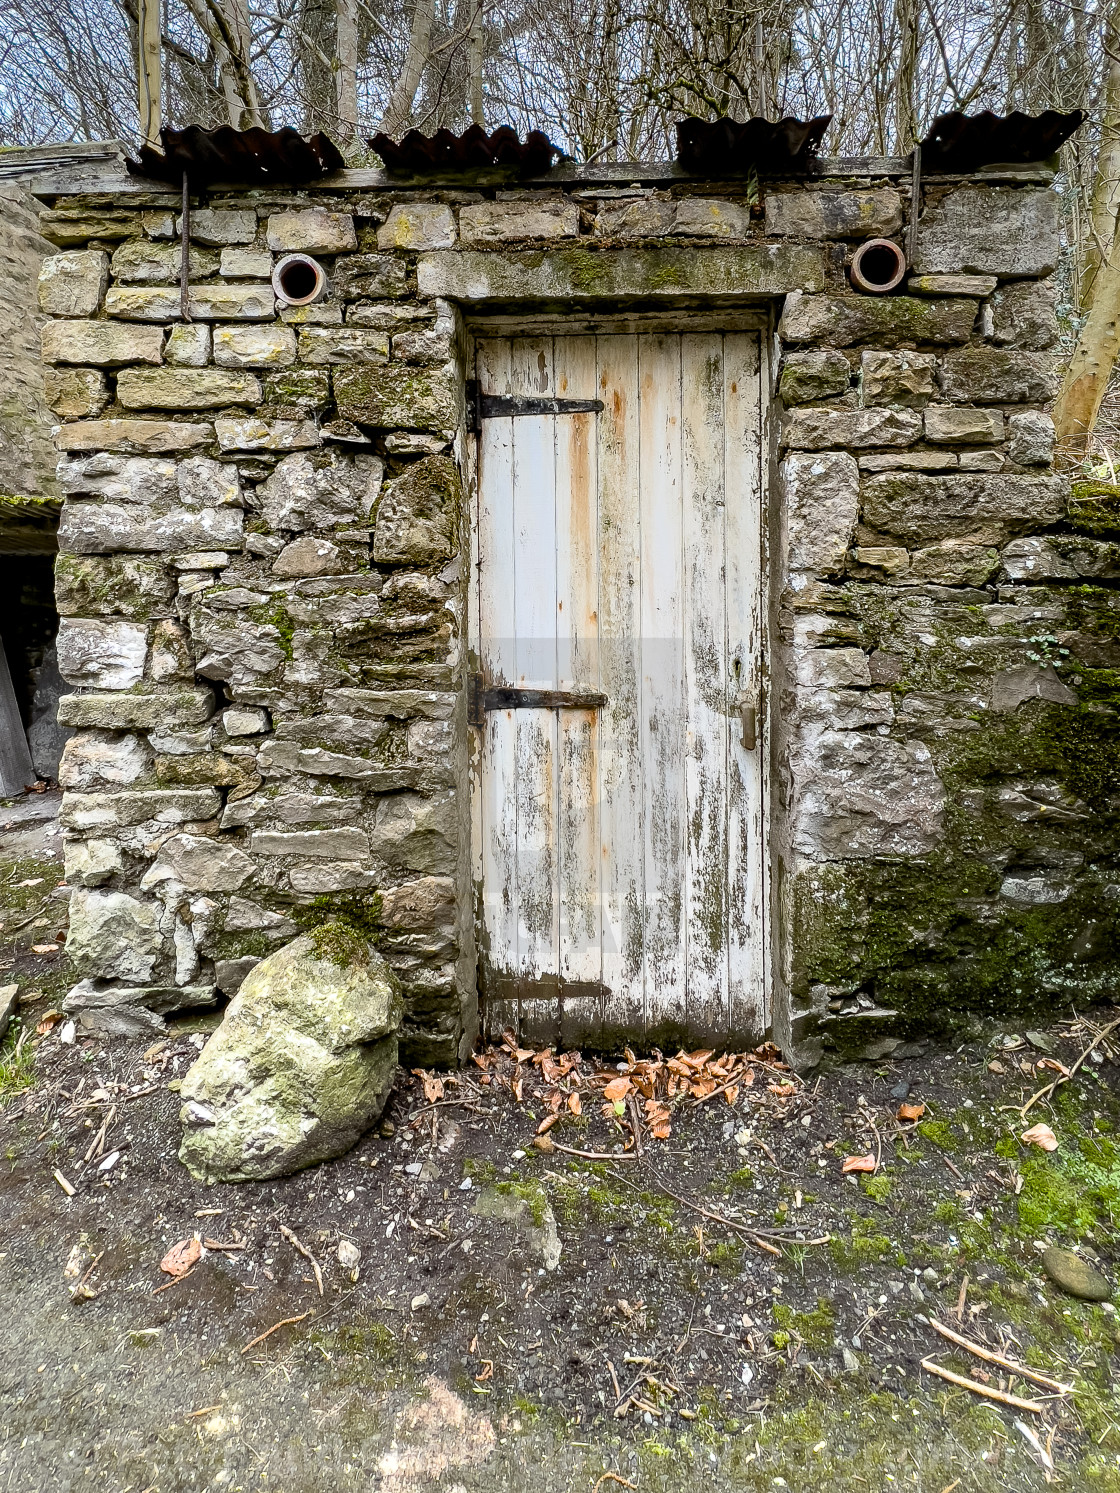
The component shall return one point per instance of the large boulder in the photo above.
(301, 1065)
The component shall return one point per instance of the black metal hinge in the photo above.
(497, 406)
(483, 697)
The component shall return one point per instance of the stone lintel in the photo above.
(740, 272)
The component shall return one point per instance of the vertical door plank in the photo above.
(746, 771)
(577, 630)
(497, 798)
(536, 786)
(707, 865)
(622, 862)
(662, 684)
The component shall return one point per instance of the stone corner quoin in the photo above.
(262, 577)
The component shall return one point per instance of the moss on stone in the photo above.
(341, 943)
(816, 1328)
(1094, 508)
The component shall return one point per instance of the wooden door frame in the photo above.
(478, 324)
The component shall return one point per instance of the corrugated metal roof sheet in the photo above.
(958, 144)
(732, 147)
(422, 155)
(248, 157)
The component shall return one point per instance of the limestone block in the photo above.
(977, 285)
(79, 225)
(417, 518)
(254, 347)
(635, 217)
(822, 505)
(321, 314)
(133, 435)
(113, 936)
(245, 264)
(185, 388)
(73, 284)
(1024, 315)
(319, 346)
(398, 395)
(910, 461)
(370, 276)
(812, 375)
(137, 712)
(420, 906)
(245, 720)
(158, 224)
(425, 344)
(234, 649)
(874, 213)
(867, 795)
(121, 585)
(921, 509)
(204, 483)
(832, 668)
(75, 393)
(332, 844)
(135, 479)
(170, 660)
(957, 423)
(251, 434)
(243, 916)
(219, 226)
(91, 862)
(419, 226)
(659, 273)
(320, 494)
(711, 217)
(397, 704)
(840, 320)
(216, 302)
(301, 1065)
(103, 759)
(997, 375)
(847, 709)
(201, 863)
(311, 231)
(414, 833)
(279, 758)
(139, 262)
(296, 393)
(982, 461)
(101, 654)
(100, 343)
(229, 974)
(977, 230)
(103, 528)
(809, 429)
(214, 769)
(188, 345)
(954, 562)
(887, 560)
(308, 556)
(903, 378)
(181, 743)
(1014, 687)
(85, 811)
(1035, 559)
(501, 222)
(1031, 435)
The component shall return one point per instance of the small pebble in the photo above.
(1075, 1276)
(901, 1090)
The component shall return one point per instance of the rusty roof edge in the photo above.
(94, 179)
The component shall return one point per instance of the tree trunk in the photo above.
(1105, 200)
(399, 109)
(476, 57)
(346, 79)
(905, 123)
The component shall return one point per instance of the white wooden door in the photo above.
(618, 830)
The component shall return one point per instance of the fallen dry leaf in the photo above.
(48, 1023)
(547, 1123)
(911, 1111)
(44, 948)
(180, 1257)
(433, 1086)
(995, 1066)
(1040, 1135)
(783, 1090)
(618, 1088)
(858, 1164)
(574, 1104)
(731, 1094)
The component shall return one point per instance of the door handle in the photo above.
(748, 719)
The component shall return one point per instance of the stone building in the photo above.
(592, 591)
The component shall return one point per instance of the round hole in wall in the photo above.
(298, 280)
(877, 266)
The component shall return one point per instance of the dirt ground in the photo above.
(731, 1309)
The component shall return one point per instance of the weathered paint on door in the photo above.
(619, 850)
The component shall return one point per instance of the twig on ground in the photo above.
(997, 1358)
(960, 1300)
(635, 1124)
(1065, 1077)
(276, 1326)
(174, 1281)
(545, 1144)
(612, 1477)
(440, 1104)
(306, 1253)
(730, 1223)
(956, 1173)
(1034, 1406)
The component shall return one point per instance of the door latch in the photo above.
(748, 719)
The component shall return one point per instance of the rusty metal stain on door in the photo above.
(621, 862)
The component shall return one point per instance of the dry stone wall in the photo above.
(262, 582)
